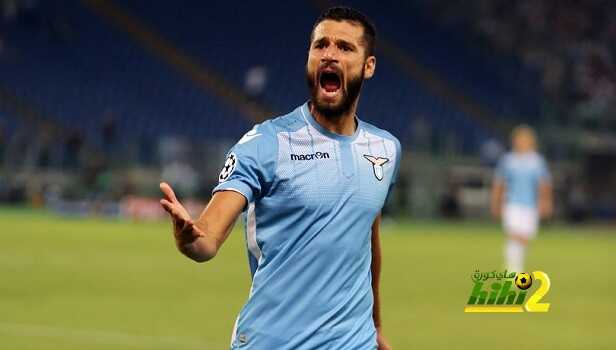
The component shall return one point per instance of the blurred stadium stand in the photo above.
(501, 84)
(118, 92)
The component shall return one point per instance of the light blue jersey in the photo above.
(522, 173)
(313, 196)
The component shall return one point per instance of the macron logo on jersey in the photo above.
(310, 156)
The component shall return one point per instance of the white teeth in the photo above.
(330, 93)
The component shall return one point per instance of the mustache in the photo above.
(329, 66)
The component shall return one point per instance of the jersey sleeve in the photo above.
(394, 178)
(250, 164)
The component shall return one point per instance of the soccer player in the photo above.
(312, 184)
(521, 194)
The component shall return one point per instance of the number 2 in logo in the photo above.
(533, 304)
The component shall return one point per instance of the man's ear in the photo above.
(369, 67)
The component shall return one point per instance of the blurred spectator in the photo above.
(490, 152)
(17, 147)
(182, 176)
(3, 142)
(72, 149)
(449, 206)
(44, 143)
(174, 154)
(9, 9)
(109, 136)
(576, 202)
(255, 81)
(421, 133)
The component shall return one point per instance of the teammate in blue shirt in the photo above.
(521, 195)
(311, 184)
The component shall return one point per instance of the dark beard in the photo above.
(349, 96)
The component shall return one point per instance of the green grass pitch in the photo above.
(96, 284)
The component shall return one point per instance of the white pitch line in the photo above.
(104, 336)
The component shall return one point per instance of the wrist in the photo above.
(200, 249)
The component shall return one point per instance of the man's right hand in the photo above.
(184, 228)
(200, 240)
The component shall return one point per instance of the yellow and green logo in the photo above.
(508, 291)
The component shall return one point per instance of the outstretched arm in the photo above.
(496, 200)
(376, 277)
(200, 240)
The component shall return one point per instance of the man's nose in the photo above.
(330, 54)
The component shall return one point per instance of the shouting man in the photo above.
(312, 184)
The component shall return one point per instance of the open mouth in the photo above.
(330, 81)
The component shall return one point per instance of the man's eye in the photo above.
(319, 45)
(345, 48)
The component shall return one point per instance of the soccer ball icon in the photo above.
(523, 280)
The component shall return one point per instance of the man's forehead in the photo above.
(345, 30)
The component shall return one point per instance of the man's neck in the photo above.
(343, 125)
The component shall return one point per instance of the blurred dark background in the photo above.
(100, 100)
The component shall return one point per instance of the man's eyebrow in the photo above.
(321, 40)
(346, 43)
(339, 42)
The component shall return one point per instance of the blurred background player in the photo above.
(521, 194)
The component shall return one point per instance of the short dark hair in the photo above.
(341, 13)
